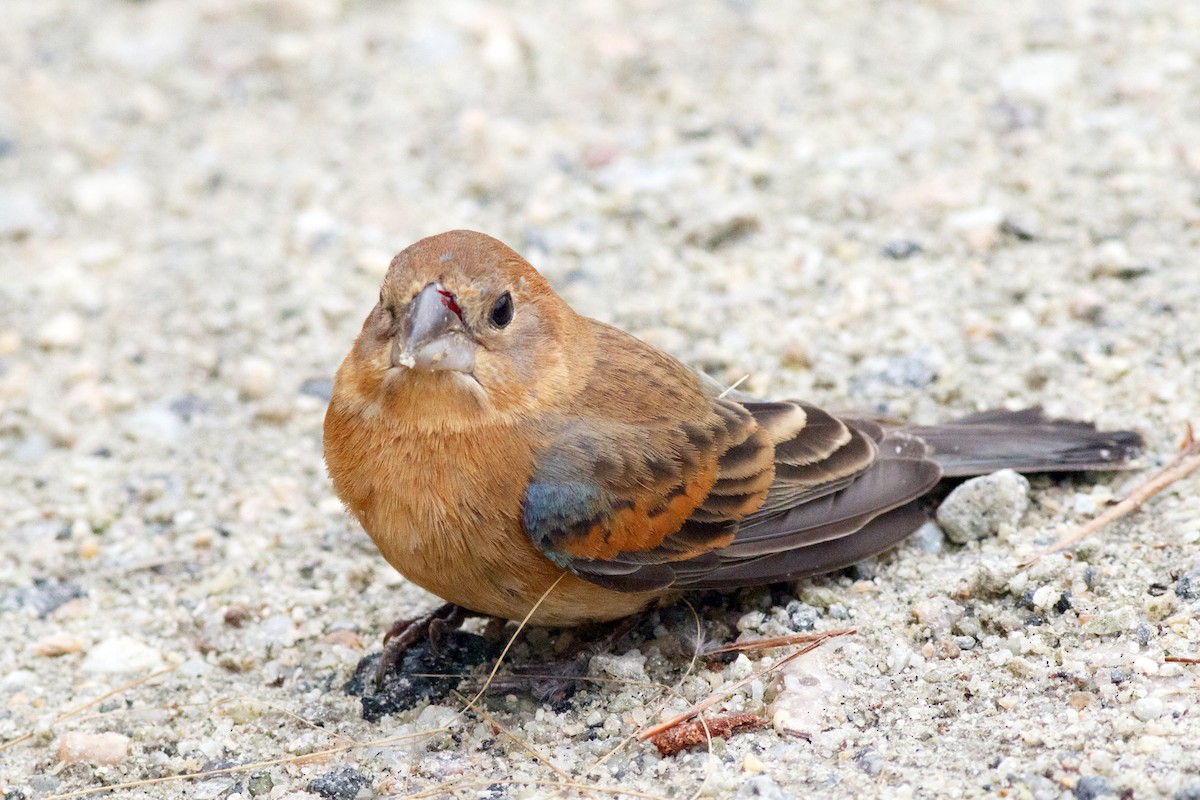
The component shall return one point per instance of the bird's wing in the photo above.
(649, 491)
(653, 479)
(644, 466)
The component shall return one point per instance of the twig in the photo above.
(699, 731)
(1182, 660)
(1183, 465)
(754, 645)
(714, 698)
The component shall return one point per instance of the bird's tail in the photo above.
(1026, 441)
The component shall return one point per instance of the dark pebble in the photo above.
(44, 595)
(1017, 229)
(407, 686)
(1188, 586)
(1144, 634)
(1064, 603)
(188, 407)
(1091, 787)
(342, 783)
(803, 616)
(869, 761)
(900, 249)
(1119, 675)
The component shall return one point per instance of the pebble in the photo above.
(104, 192)
(979, 228)
(1111, 621)
(761, 787)
(21, 214)
(56, 644)
(121, 655)
(938, 613)
(342, 783)
(630, 666)
(255, 377)
(63, 331)
(929, 538)
(752, 763)
(1148, 708)
(980, 507)
(1041, 76)
(93, 748)
(1091, 787)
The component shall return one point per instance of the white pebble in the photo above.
(1148, 708)
(255, 377)
(61, 332)
(121, 654)
(93, 748)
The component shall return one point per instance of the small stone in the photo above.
(21, 214)
(259, 784)
(1080, 700)
(1045, 596)
(104, 192)
(1091, 787)
(56, 644)
(63, 331)
(342, 783)
(900, 249)
(44, 596)
(869, 761)
(93, 748)
(982, 506)
(752, 764)
(1148, 708)
(762, 788)
(802, 616)
(1111, 622)
(121, 654)
(255, 377)
(938, 613)
(928, 538)
(978, 227)
(1040, 76)
(1188, 586)
(629, 666)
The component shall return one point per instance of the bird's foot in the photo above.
(404, 633)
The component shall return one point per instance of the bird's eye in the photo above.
(502, 310)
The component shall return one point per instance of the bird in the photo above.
(522, 461)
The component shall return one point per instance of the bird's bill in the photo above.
(434, 336)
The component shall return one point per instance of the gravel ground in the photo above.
(923, 208)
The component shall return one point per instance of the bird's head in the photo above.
(464, 329)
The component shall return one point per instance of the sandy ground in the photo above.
(923, 208)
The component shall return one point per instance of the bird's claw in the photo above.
(404, 633)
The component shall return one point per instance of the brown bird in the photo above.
(492, 442)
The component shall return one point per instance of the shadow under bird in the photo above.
(493, 442)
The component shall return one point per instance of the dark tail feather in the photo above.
(1026, 441)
